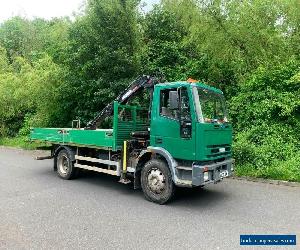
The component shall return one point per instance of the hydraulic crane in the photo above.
(141, 83)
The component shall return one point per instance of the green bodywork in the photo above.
(208, 141)
(126, 120)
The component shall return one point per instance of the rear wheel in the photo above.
(156, 180)
(65, 166)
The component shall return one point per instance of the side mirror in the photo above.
(174, 100)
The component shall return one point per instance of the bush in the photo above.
(267, 117)
(28, 94)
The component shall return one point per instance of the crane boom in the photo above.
(135, 87)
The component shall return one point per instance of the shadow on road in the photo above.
(185, 197)
(197, 198)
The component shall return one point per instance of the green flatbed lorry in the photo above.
(182, 140)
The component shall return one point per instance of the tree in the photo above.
(101, 57)
(28, 92)
(238, 36)
(16, 36)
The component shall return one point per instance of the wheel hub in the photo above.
(156, 181)
(63, 165)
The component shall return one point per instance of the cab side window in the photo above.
(164, 109)
(185, 105)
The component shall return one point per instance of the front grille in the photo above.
(216, 150)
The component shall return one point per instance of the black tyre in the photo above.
(65, 166)
(156, 181)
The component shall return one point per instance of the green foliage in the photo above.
(165, 51)
(266, 115)
(28, 93)
(16, 37)
(101, 56)
(237, 36)
(29, 39)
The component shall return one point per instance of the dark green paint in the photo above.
(205, 138)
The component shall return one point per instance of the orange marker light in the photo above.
(190, 80)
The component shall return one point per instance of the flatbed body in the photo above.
(132, 119)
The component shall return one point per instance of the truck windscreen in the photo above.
(210, 106)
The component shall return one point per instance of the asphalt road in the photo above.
(38, 210)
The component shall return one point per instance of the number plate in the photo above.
(222, 150)
(224, 174)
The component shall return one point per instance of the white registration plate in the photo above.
(224, 173)
(222, 150)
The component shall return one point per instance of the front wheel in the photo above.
(156, 181)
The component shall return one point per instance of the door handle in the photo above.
(158, 140)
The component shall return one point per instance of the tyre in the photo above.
(156, 181)
(65, 166)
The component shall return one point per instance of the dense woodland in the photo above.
(53, 71)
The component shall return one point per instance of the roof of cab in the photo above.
(185, 83)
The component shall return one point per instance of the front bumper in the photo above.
(211, 173)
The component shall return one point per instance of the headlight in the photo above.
(205, 176)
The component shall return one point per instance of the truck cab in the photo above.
(190, 127)
(193, 116)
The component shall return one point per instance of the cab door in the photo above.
(172, 127)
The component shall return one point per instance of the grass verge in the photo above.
(22, 142)
(284, 171)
